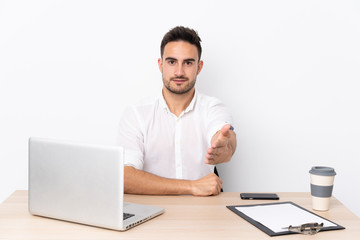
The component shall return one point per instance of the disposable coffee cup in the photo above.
(321, 184)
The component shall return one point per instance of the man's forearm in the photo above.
(141, 182)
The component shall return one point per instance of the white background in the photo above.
(288, 71)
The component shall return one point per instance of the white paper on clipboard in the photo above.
(279, 216)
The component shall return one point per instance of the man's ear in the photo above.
(200, 66)
(160, 64)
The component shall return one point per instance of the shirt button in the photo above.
(178, 165)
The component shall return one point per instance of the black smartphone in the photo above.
(259, 196)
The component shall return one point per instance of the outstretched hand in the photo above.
(222, 147)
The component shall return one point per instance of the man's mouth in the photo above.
(179, 80)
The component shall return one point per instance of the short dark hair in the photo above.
(181, 33)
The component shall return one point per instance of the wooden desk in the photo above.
(185, 217)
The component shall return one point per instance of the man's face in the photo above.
(180, 66)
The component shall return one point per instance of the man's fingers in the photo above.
(223, 137)
(221, 142)
(225, 130)
(218, 152)
(208, 185)
(210, 159)
(212, 151)
(219, 185)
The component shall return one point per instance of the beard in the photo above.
(186, 88)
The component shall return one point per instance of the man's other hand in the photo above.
(206, 186)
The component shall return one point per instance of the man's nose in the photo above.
(179, 71)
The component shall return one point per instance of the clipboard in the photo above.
(267, 217)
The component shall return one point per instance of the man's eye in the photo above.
(171, 62)
(189, 63)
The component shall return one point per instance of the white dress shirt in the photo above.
(157, 141)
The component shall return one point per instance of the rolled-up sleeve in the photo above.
(130, 137)
(217, 117)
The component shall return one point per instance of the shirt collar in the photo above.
(189, 108)
(192, 103)
(163, 102)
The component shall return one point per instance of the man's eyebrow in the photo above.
(170, 58)
(185, 60)
(189, 60)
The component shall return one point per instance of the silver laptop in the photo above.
(82, 183)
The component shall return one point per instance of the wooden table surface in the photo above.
(186, 217)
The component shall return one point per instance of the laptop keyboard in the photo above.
(127, 215)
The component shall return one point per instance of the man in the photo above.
(173, 141)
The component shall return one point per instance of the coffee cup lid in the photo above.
(322, 171)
